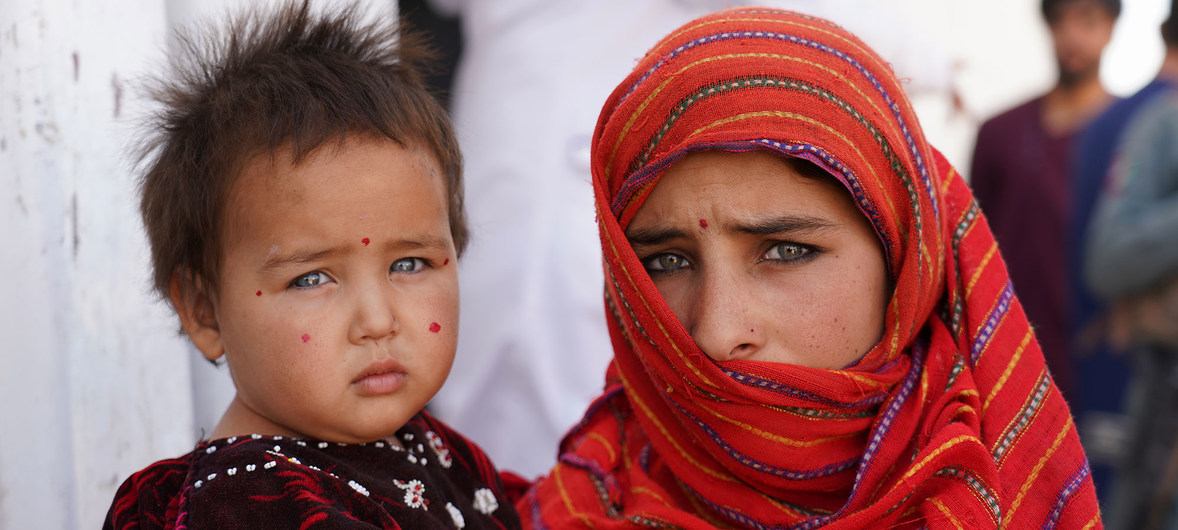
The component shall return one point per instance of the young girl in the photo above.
(811, 321)
(303, 200)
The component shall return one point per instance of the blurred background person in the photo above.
(1131, 260)
(1021, 173)
(1104, 365)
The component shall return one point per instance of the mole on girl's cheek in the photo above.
(366, 241)
(703, 223)
(435, 327)
(306, 337)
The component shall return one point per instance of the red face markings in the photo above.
(703, 223)
(435, 327)
(259, 293)
(306, 337)
(366, 241)
(447, 262)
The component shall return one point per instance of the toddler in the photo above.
(302, 195)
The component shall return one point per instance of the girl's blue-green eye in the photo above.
(407, 265)
(311, 279)
(665, 262)
(787, 252)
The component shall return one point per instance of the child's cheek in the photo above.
(443, 320)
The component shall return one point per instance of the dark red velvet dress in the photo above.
(438, 480)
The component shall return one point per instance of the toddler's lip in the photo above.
(381, 377)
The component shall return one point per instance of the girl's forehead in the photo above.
(747, 184)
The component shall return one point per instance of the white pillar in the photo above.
(94, 379)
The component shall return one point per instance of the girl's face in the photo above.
(760, 262)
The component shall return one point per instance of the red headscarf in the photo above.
(950, 420)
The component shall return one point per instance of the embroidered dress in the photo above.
(437, 480)
(950, 421)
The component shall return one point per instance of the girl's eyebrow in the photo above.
(782, 224)
(785, 224)
(655, 235)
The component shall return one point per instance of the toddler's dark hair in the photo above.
(286, 77)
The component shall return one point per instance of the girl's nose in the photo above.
(722, 318)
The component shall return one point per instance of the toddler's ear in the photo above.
(198, 316)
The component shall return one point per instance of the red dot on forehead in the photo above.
(703, 223)
(435, 327)
(366, 241)
(259, 293)
(306, 337)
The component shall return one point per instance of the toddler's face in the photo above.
(338, 304)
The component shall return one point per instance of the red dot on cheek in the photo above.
(306, 337)
(259, 293)
(447, 262)
(703, 223)
(366, 241)
(435, 327)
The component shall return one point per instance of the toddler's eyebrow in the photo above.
(417, 243)
(307, 256)
(276, 261)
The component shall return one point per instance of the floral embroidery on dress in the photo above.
(414, 493)
(456, 515)
(435, 443)
(485, 501)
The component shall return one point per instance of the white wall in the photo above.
(92, 382)
(95, 383)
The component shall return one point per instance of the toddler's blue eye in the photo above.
(407, 265)
(311, 279)
(787, 251)
(665, 262)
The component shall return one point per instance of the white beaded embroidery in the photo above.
(485, 501)
(358, 487)
(414, 493)
(435, 443)
(456, 515)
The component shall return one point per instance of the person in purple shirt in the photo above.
(1021, 174)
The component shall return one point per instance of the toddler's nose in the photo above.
(375, 317)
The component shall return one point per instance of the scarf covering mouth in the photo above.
(951, 420)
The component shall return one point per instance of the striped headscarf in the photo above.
(951, 420)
